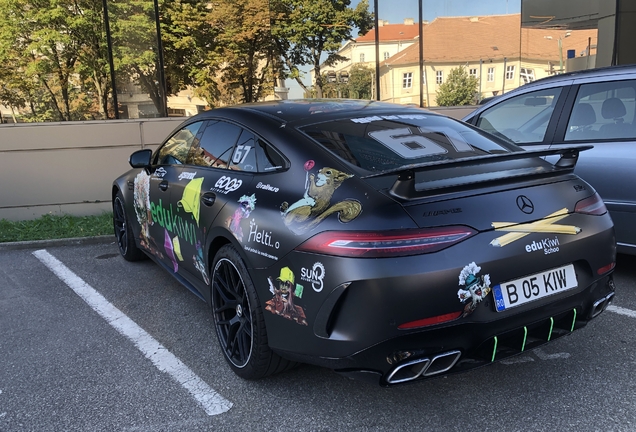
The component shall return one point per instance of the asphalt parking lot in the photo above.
(138, 353)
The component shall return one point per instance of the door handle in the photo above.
(163, 185)
(208, 199)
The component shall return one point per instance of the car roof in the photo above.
(302, 112)
(587, 73)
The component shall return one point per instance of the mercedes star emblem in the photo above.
(524, 204)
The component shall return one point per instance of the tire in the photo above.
(239, 321)
(123, 232)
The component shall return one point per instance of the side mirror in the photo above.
(140, 158)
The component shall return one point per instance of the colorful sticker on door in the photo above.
(315, 206)
(245, 208)
(190, 202)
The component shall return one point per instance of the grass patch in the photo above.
(56, 227)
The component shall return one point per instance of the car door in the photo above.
(602, 112)
(204, 185)
(168, 161)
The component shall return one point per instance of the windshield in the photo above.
(384, 142)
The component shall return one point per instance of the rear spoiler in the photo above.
(404, 186)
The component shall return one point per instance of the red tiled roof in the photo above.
(454, 39)
(392, 32)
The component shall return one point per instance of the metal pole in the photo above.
(162, 74)
(377, 50)
(421, 56)
(109, 43)
(481, 62)
(503, 87)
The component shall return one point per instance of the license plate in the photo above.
(520, 291)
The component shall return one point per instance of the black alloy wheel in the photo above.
(232, 313)
(125, 241)
(239, 320)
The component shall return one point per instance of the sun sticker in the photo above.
(474, 288)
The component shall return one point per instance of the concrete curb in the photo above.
(39, 244)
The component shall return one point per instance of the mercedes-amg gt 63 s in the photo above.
(381, 241)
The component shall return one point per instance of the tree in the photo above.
(245, 47)
(360, 82)
(459, 89)
(53, 53)
(304, 30)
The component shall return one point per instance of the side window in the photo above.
(253, 154)
(176, 149)
(244, 157)
(523, 118)
(216, 145)
(267, 158)
(603, 111)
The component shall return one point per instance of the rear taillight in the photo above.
(373, 244)
(593, 205)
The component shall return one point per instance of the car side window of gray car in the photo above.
(175, 150)
(523, 118)
(603, 111)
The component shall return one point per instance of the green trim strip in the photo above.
(525, 335)
(573, 321)
(551, 326)
(494, 350)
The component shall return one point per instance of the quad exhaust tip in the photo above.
(416, 368)
(601, 304)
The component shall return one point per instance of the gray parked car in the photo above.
(595, 106)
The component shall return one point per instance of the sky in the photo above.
(394, 11)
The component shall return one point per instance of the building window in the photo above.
(491, 74)
(510, 72)
(386, 55)
(361, 57)
(527, 75)
(472, 72)
(439, 77)
(407, 80)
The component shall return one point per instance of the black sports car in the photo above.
(381, 241)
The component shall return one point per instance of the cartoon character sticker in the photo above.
(245, 208)
(475, 288)
(283, 303)
(306, 213)
(141, 203)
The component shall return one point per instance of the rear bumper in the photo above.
(439, 350)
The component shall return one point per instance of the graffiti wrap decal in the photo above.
(245, 208)
(475, 288)
(191, 200)
(282, 303)
(546, 225)
(306, 213)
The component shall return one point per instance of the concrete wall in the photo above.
(69, 167)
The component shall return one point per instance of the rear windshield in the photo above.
(383, 142)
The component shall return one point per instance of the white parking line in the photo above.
(622, 311)
(164, 360)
